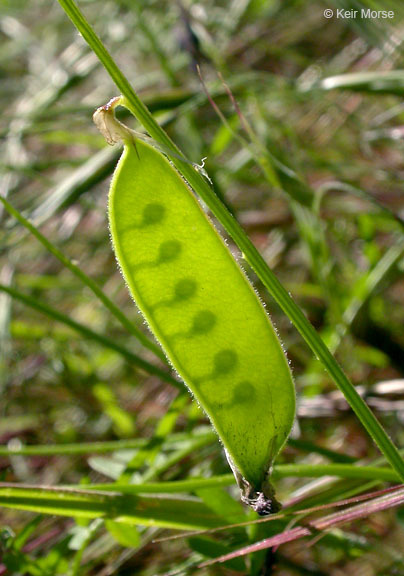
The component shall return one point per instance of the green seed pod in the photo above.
(201, 308)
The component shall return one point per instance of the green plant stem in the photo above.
(250, 253)
(166, 512)
(280, 471)
(162, 438)
(103, 447)
(119, 315)
(90, 334)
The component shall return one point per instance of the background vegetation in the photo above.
(301, 120)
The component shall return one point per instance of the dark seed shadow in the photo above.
(153, 214)
(184, 290)
(224, 362)
(204, 322)
(169, 251)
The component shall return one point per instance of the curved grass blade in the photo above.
(359, 193)
(379, 82)
(119, 315)
(89, 334)
(373, 279)
(166, 512)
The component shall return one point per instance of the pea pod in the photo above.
(202, 309)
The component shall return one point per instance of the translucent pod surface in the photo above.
(202, 309)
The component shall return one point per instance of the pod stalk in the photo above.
(110, 127)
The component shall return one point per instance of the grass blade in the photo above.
(90, 334)
(119, 315)
(380, 82)
(166, 512)
(327, 522)
(175, 439)
(280, 471)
